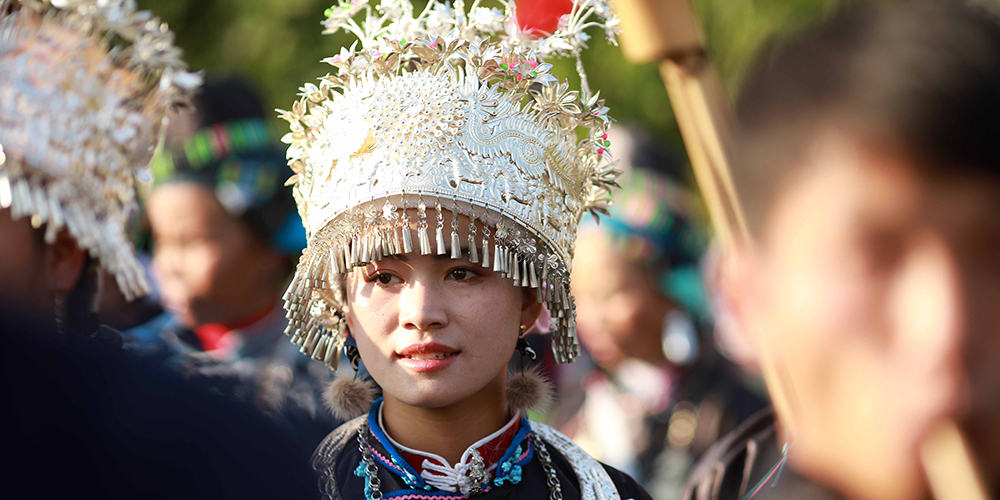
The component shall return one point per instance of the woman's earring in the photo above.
(525, 350)
(349, 397)
(529, 388)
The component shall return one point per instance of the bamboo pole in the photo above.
(667, 31)
(951, 469)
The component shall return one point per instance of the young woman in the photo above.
(85, 85)
(440, 180)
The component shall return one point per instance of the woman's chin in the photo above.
(433, 393)
(430, 399)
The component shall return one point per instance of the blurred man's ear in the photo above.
(63, 264)
(728, 280)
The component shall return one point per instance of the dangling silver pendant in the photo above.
(335, 261)
(439, 240)
(473, 253)
(355, 251)
(439, 233)
(366, 250)
(397, 242)
(386, 243)
(496, 258)
(517, 269)
(456, 244)
(377, 246)
(486, 246)
(407, 237)
(425, 242)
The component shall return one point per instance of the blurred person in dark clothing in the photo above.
(652, 393)
(870, 168)
(83, 421)
(224, 233)
(78, 121)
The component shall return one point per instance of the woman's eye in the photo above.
(461, 274)
(385, 279)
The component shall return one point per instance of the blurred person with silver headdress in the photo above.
(651, 393)
(85, 87)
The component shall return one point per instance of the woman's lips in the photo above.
(427, 357)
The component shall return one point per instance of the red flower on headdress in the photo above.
(541, 16)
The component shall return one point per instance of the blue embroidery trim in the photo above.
(508, 470)
(399, 465)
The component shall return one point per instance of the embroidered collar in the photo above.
(503, 453)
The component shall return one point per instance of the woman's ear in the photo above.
(531, 308)
(63, 262)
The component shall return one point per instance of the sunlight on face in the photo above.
(434, 331)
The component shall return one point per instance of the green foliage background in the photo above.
(278, 45)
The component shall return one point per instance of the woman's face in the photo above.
(434, 331)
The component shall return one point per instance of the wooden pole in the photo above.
(667, 31)
(951, 469)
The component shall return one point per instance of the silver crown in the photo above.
(84, 89)
(447, 112)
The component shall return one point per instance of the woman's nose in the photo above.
(422, 307)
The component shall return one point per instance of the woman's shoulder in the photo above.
(328, 461)
(593, 476)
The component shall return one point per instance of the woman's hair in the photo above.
(227, 99)
(921, 76)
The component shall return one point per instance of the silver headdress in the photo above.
(84, 89)
(451, 110)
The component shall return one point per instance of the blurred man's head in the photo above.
(223, 226)
(870, 168)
